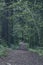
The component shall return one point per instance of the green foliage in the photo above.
(3, 43)
(37, 50)
(3, 51)
(22, 20)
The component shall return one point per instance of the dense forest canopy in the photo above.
(21, 20)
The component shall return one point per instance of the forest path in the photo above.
(21, 57)
(22, 46)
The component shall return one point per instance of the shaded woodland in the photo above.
(21, 20)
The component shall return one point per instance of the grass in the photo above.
(37, 50)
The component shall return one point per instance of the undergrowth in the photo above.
(37, 50)
(3, 51)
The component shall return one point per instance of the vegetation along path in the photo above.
(21, 57)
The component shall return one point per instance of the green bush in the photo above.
(2, 51)
(3, 42)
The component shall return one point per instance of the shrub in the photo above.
(2, 51)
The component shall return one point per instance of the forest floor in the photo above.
(21, 56)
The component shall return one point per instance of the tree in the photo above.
(22, 20)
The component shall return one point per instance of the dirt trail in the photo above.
(21, 57)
